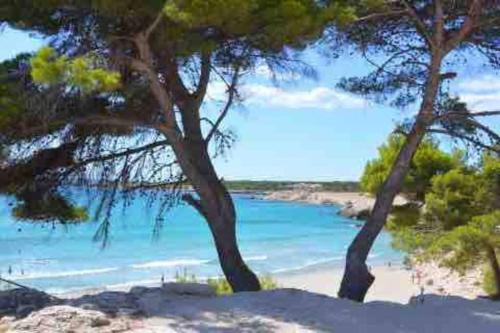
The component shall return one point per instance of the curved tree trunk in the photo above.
(216, 206)
(191, 150)
(495, 268)
(357, 279)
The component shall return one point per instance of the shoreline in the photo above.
(355, 205)
(393, 282)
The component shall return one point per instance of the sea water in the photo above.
(274, 237)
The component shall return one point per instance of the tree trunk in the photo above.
(495, 268)
(216, 206)
(357, 279)
(223, 227)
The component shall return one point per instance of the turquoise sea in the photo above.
(274, 237)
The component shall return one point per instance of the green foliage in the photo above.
(220, 284)
(222, 287)
(465, 246)
(453, 199)
(428, 161)
(48, 68)
(50, 208)
(459, 226)
(266, 24)
(251, 185)
(490, 180)
(11, 96)
(184, 277)
(489, 284)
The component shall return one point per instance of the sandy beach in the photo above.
(302, 305)
(394, 284)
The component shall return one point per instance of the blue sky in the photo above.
(306, 129)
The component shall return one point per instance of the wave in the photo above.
(170, 263)
(45, 275)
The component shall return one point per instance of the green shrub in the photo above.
(221, 285)
(184, 277)
(489, 285)
(267, 282)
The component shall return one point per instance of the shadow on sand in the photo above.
(288, 310)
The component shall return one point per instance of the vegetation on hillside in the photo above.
(456, 219)
(250, 185)
(416, 49)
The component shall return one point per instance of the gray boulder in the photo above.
(193, 289)
(22, 301)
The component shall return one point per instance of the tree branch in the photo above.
(467, 27)
(377, 16)
(123, 154)
(146, 64)
(465, 138)
(202, 86)
(419, 24)
(231, 94)
(149, 30)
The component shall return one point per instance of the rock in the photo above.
(195, 289)
(18, 301)
(139, 290)
(355, 212)
(129, 312)
(64, 318)
(24, 310)
(109, 302)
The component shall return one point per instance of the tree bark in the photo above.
(216, 206)
(495, 268)
(357, 278)
(191, 149)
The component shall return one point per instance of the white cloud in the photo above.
(323, 98)
(485, 83)
(482, 93)
(316, 98)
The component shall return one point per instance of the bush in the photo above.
(489, 285)
(221, 285)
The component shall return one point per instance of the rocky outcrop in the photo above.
(27, 310)
(353, 205)
(193, 289)
(20, 302)
(356, 212)
(281, 310)
(64, 318)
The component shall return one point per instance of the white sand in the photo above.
(394, 284)
(391, 284)
(293, 310)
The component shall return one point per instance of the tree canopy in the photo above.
(413, 47)
(459, 225)
(428, 161)
(124, 89)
